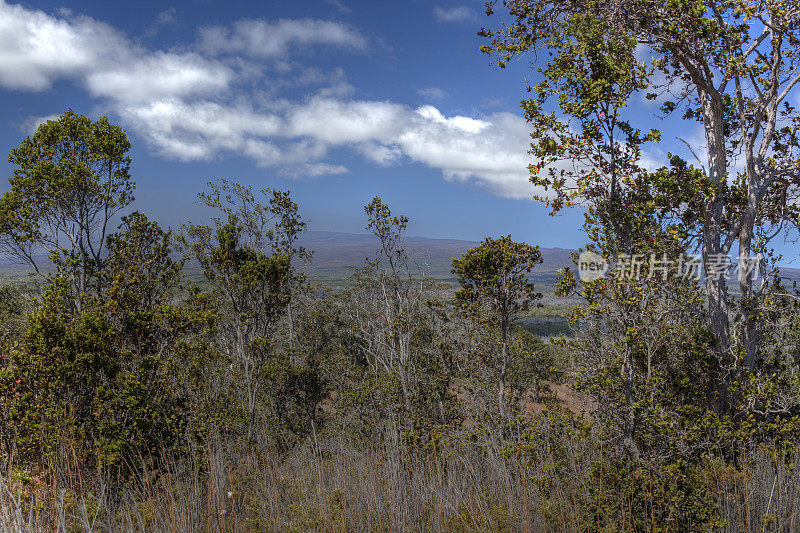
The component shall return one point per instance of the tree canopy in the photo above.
(731, 65)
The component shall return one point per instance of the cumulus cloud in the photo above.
(32, 123)
(36, 49)
(263, 39)
(314, 170)
(198, 131)
(491, 152)
(382, 154)
(454, 14)
(464, 124)
(199, 103)
(337, 122)
(159, 75)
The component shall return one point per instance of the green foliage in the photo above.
(675, 366)
(494, 274)
(731, 65)
(13, 307)
(247, 257)
(389, 230)
(494, 289)
(630, 495)
(435, 389)
(71, 178)
(533, 366)
(399, 363)
(140, 273)
(112, 380)
(81, 381)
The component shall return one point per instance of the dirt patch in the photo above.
(578, 403)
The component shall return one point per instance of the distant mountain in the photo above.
(336, 254)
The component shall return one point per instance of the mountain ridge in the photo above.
(337, 253)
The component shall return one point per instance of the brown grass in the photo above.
(335, 485)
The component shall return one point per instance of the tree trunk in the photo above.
(716, 287)
(290, 316)
(629, 429)
(749, 325)
(501, 395)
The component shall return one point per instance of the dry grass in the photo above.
(334, 485)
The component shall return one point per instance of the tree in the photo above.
(290, 227)
(731, 64)
(494, 277)
(114, 379)
(247, 257)
(387, 305)
(140, 273)
(71, 178)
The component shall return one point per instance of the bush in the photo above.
(106, 390)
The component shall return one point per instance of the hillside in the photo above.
(336, 254)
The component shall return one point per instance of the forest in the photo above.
(196, 378)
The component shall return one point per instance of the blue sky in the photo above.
(337, 100)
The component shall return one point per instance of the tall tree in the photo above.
(388, 308)
(732, 65)
(246, 254)
(71, 178)
(494, 277)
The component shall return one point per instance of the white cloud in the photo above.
(158, 75)
(315, 170)
(337, 122)
(200, 130)
(196, 105)
(32, 123)
(382, 154)
(653, 158)
(491, 152)
(453, 15)
(36, 49)
(466, 124)
(263, 39)
(296, 138)
(340, 7)
(166, 17)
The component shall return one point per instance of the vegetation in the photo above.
(133, 398)
(493, 278)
